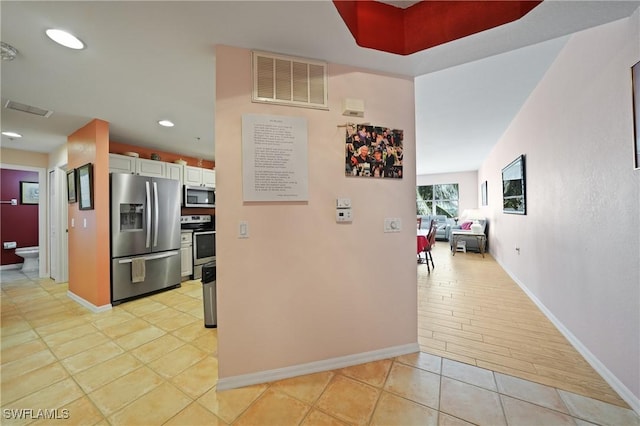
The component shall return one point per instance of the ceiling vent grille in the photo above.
(17, 106)
(286, 80)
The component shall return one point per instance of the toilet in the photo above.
(30, 255)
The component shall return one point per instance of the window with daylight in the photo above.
(439, 199)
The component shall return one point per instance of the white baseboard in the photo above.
(11, 266)
(232, 382)
(93, 308)
(607, 375)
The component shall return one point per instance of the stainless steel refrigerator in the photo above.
(145, 235)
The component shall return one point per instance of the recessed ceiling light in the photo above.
(64, 38)
(165, 123)
(12, 134)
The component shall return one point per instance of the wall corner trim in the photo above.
(93, 308)
(232, 382)
(607, 375)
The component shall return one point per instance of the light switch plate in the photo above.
(392, 224)
(243, 229)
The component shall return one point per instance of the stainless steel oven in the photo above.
(204, 250)
(204, 240)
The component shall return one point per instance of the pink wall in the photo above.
(303, 288)
(17, 223)
(579, 242)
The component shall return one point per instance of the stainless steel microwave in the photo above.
(199, 196)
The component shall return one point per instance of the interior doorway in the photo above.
(58, 231)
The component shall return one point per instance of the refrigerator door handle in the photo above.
(148, 206)
(156, 213)
(152, 257)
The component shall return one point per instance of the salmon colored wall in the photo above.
(303, 288)
(120, 148)
(18, 223)
(89, 271)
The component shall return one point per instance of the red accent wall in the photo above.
(425, 24)
(17, 223)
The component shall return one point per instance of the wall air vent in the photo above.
(28, 109)
(286, 80)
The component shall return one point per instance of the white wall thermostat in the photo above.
(343, 210)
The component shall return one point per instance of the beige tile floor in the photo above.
(151, 362)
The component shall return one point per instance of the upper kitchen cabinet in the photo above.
(196, 176)
(122, 164)
(144, 167)
(151, 168)
(174, 171)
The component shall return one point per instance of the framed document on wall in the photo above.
(85, 186)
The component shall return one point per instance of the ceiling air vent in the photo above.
(28, 109)
(286, 80)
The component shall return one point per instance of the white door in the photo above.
(63, 260)
(53, 226)
(58, 235)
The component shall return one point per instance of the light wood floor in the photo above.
(471, 311)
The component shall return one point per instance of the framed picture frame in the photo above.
(483, 191)
(85, 186)
(29, 192)
(374, 151)
(72, 196)
(514, 189)
(635, 84)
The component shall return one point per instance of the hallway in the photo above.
(471, 311)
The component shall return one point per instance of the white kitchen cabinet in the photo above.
(174, 171)
(197, 176)
(186, 253)
(192, 175)
(122, 163)
(144, 167)
(151, 168)
(208, 177)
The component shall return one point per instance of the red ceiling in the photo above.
(425, 24)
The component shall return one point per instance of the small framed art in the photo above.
(29, 192)
(72, 196)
